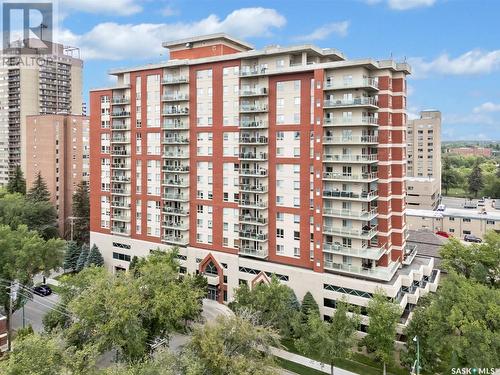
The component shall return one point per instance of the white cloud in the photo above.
(470, 63)
(168, 11)
(115, 7)
(409, 4)
(487, 107)
(143, 41)
(323, 32)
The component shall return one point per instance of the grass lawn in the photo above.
(298, 369)
(457, 192)
(358, 363)
(55, 289)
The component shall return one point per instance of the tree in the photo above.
(384, 316)
(457, 327)
(82, 258)
(39, 191)
(71, 256)
(309, 305)
(95, 258)
(230, 346)
(476, 180)
(274, 304)
(480, 262)
(24, 254)
(328, 341)
(450, 177)
(17, 183)
(81, 213)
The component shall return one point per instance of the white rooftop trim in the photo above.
(202, 38)
(455, 212)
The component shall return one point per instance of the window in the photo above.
(280, 216)
(280, 233)
(465, 220)
(280, 249)
(296, 235)
(296, 252)
(491, 222)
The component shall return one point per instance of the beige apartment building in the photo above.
(32, 83)
(424, 160)
(57, 146)
(456, 221)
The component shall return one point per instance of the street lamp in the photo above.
(416, 365)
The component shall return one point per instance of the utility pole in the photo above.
(9, 320)
(416, 365)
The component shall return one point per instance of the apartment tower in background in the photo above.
(288, 161)
(424, 160)
(34, 83)
(57, 146)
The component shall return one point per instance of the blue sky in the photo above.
(453, 45)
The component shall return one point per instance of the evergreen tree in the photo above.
(71, 257)
(81, 212)
(17, 183)
(476, 182)
(84, 254)
(95, 258)
(39, 191)
(309, 306)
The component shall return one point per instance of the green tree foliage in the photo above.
(309, 306)
(480, 262)
(71, 256)
(95, 258)
(230, 346)
(459, 326)
(17, 183)
(39, 191)
(274, 304)
(475, 180)
(23, 254)
(82, 258)
(384, 316)
(450, 177)
(329, 341)
(81, 212)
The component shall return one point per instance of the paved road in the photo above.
(34, 311)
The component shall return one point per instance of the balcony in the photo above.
(122, 100)
(361, 177)
(120, 114)
(364, 234)
(254, 172)
(353, 158)
(348, 214)
(253, 188)
(249, 219)
(365, 83)
(176, 183)
(122, 218)
(349, 195)
(176, 168)
(120, 139)
(252, 124)
(120, 153)
(253, 108)
(373, 253)
(175, 211)
(120, 231)
(120, 166)
(353, 140)
(349, 121)
(253, 204)
(175, 140)
(120, 204)
(262, 156)
(247, 71)
(365, 102)
(175, 225)
(120, 179)
(176, 111)
(175, 125)
(175, 97)
(378, 272)
(252, 252)
(174, 80)
(118, 191)
(253, 236)
(255, 91)
(120, 126)
(175, 155)
(175, 240)
(410, 253)
(254, 140)
(176, 197)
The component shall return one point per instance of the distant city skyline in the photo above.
(455, 59)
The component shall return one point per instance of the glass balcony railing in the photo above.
(350, 121)
(352, 158)
(369, 176)
(253, 252)
(349, 195)
(373, 253)
(355, 102)
(359, 83)
(351, 232)
(378, 272)
(356, 139)
(360, 215)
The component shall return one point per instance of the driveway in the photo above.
(34, 311)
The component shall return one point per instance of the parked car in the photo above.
(443, 234)
(480, 203)
(441, 207)
(472, 238)
(470, 205)
(42, 290)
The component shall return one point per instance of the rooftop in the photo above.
(206, 38)
(479, 213)
(428, 244)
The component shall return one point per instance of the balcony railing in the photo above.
(253, 108)
(120, 191)
(361, 215)
(365, 252)
(120, 204)
(120, 179)
(254, 236)
(410, 253)
(121, 114)
(362, 102)
(175, 97)
(253, 204)
(378, 272)
(178, 183)
(175, 225)
(255, 91)
(120, 153)
(253, 188)
(253, 219)
(253, 252)
(176, 111)
(250, 124)
(349, 121)
(254, 140)
(176, 168)
(351, 140)
(352, 158)
(125, 218)
(175, 240)
(175, 125)
(120, 166)
(119, 230)
(340, 194)
(253, 156)
(351, 232)
(175, 196)
(173, 80)
(365, 82)
(175, 155)
(350, 176)
(254, 172)
(175, 211)
(175, 140)
(123, 100)
(252, 71)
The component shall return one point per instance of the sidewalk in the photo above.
(309, 362)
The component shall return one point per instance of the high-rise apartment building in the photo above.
(288, 161)
(33, 83)
(57, 146)
(424, 160)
